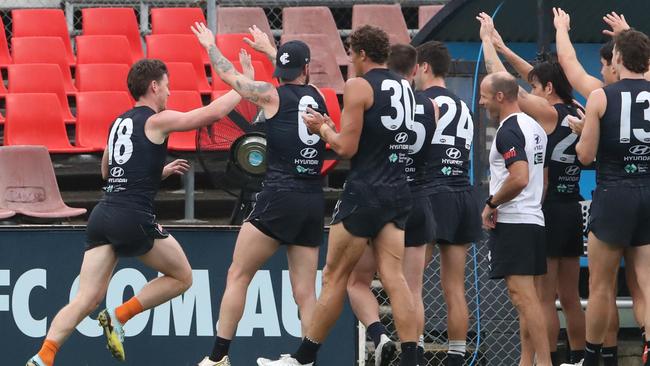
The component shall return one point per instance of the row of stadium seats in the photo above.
(122, 21)
(37, 119)
(111, 35)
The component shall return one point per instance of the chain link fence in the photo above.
(493, 337)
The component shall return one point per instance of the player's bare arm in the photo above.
(357, 95)
(162, 124)
(260, 93)
(522, 66)
(105, 164)
(492, 62)
(590, 137)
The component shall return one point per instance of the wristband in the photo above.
(489, 202)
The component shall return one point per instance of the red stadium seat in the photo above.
(260, 75)
(179, 48)
(40, 78)
(392, 20)
(96, 111)
(334, 111)
(35, 119)
(239, 19)
(102, 77)
(224, 133)
(103, 50)
(324, 72)
(43, 50)
(183, 101)
(182, 76)
(42, 23)
(5, 57)
(315, 20)
(231, 44)
(34, 191)
(113, 21)
(426, 12)
(177, 21)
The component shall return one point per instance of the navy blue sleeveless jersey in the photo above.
(377, 174)
(451, 142)
(419, 163)
(563, 166)
(295, 156)
(135, 164)
(624, 150)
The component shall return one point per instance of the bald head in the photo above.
(504, 83)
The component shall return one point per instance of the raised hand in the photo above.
(260, 41)
(616, 22)
(205, 36)
(561, 20)
(487, 26)
(246, 64)
(178, 166)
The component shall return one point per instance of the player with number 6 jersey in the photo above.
(123, 224)
(290, 208)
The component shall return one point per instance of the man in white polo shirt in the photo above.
(513, 212)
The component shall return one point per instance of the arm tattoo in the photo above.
(219, 62)
(255, 91)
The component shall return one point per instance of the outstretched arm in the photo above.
(260, 93)
(522, 66)
(492, 62)
(161, 124)
(579, 79)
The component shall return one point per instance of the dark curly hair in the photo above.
(142, 73)
(436, 55)
(373, 40)
(634, 48)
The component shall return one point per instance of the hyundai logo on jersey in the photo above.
(453, 153)
(640, 150)
(117, 172)
(572, 170)
(401, 137)
(308, 153)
